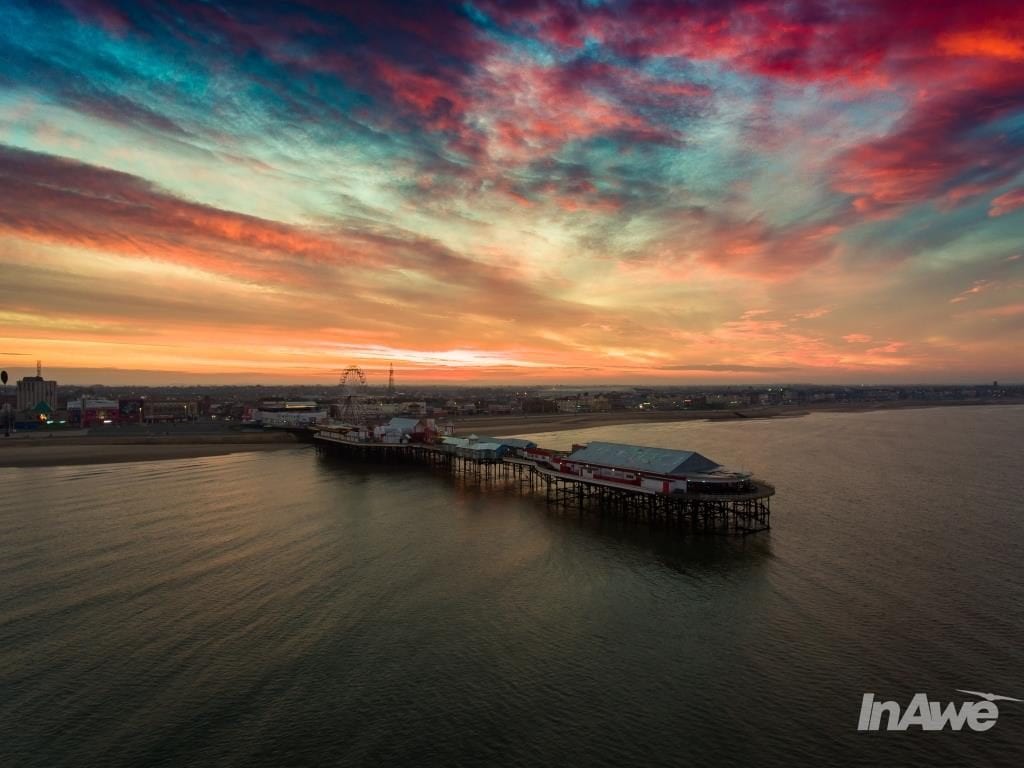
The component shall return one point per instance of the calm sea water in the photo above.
(280, 609)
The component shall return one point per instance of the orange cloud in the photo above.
(1005, 203)
(990, 43)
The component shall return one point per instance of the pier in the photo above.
(716, 503)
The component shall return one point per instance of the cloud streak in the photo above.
(529, 189)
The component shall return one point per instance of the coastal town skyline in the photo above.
(526, 193)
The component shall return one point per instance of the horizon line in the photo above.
(572, 385)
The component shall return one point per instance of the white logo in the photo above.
(930, 715)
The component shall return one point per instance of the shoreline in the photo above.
(54, 451)
(73, 450)
(506, 426)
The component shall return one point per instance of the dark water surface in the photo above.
(280, 609)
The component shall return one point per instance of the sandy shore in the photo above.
(503, 426)
(58, 451)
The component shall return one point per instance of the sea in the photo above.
(289, 609)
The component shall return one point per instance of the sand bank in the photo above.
(58, 451)
(503, 426)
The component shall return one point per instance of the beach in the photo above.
(55, 450)
(504, 426)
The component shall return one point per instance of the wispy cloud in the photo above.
(491, 189)
(979, 286)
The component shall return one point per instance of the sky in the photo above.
(608, 192)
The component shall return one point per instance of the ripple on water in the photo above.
(276, 608)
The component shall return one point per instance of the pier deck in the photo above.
(742, 512)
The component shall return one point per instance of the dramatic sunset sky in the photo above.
(594, 191)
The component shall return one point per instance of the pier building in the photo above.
(682, 490)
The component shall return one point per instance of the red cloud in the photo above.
(995, 43)
(63, 201)
(938, 150)
(431, 97)
(533, 110)
(1010, 201)
(863, 42)
(750, 249)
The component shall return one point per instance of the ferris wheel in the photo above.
(352, 383)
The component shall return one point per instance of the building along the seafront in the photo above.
(33, 390)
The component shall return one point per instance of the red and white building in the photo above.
(656, 470)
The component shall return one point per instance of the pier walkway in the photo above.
(732, 512)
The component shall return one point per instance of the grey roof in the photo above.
(661, 461)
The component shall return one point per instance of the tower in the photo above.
(391, 379)
(33, 390)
